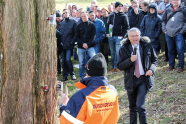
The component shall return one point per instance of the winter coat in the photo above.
(151, 27)
(148, 58)
(120, 23)
(135, 19)
(59, 43)
(95, 101)
(67, 28)
(105, 20)
(85, 33)
(100, 30)
(177, 23)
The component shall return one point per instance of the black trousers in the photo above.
(137, 101)
(104, 48)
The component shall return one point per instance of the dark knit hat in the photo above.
(58, 14)
(117, 4)
(97, 66)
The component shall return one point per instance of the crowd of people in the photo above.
(131, 34)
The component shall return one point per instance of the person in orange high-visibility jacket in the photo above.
(96, 102)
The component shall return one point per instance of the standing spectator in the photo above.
(162, 6)
(59, 19)
(95, 2)
(100, 30)
(110, 9)
(139, 72)
(104, 45)
(59, 51)
(134, 15)
(130, 7)
(113, 6)
(70, 8)
(99, 13)
(97, 100)
(67, 28)
(85, 36)
(144, 7)
(73, 14)
(92, 6)
(140, 2)
(174, 25)
(157, 2)
(125, 8)
(151, 26)
(74, 6)
(120, 24)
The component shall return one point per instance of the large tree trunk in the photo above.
(27, 62)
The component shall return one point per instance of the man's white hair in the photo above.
(95, 2)
(125, 5)
(135, 30)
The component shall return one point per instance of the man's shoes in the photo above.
(112, 70)
(180, 70)
(73, 77)
(170, 68)
(64, 79)
(117, 70)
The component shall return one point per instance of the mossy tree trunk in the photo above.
(27, 62)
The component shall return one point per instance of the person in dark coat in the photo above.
(59, 50)
(138, 70)
(151, 26)
(134, 15)
(67, 28)
(104, 45)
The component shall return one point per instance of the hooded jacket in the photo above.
(67, 28)
(151, 26)
(120, 24)
(176, 24)
(96, 102)
(148, 58)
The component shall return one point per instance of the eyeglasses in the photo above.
(65, 13)
(134, 36)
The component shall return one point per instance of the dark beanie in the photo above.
(97, 66)
(58, 14)
(117, 4)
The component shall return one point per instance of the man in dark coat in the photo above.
(139, 72)
(67, 28)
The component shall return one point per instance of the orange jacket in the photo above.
(96, 103)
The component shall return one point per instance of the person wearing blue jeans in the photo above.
(67, 29)
(82, 60)
(114, 43)
(120, 25)
(174, 26)
(85, 36)
(179, 41)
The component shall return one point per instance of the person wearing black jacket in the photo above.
(119, 21)
(59, 50)
(104, 45)
(138, 70)
(67, 28)
(85, 36)
(135, 15)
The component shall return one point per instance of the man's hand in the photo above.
(85, 46)
(149, 73)
(107, 35)
(136, 10)
(64, 97)
(133, 58)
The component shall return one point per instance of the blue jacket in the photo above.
(100, 30)
(151, 26)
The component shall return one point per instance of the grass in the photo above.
(166, 104)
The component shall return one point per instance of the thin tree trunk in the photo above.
(27, 62)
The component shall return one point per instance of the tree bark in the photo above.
(28, 61)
